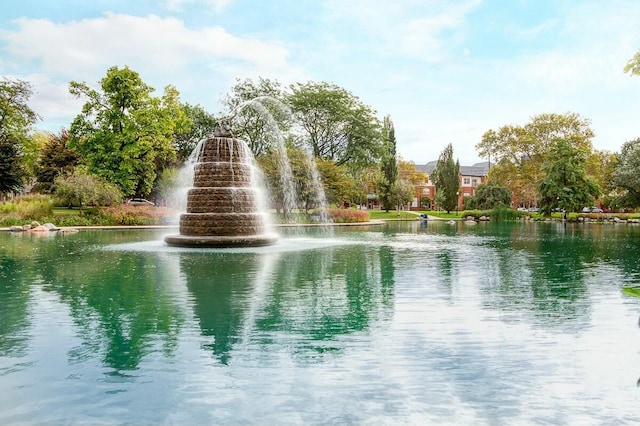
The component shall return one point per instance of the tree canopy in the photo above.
(489, 196)
(336, 124)
(16, 119)
(55, 159)
(123, 133)
(520, 152)
(260, 113)
(566, 184)
(626, 174)
(201, 125)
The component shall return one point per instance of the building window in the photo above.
(466, 181)
(474, 182)
(426, 191)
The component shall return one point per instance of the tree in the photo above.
(633, 65)
(16, 119)
(626, 174)
(520, 152)
(55, 159)
(338, 185)
(260, 113)
(446, 178)
(336, 124)
(489, 196)
(566, 184)
(123, 133)
(600, 166)
(388, 184)
(201, 126)
(402, 193)
(82, 188)
(12, 172)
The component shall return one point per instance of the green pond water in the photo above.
(408, 323)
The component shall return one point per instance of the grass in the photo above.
(392, 214)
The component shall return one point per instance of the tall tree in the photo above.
(519, 153)
(446, 178)
(123, 133)
(627, 172)
(566, 184)
(55, 159)
(389, 179)
(336, 124)
(16, 119)
(259, 112)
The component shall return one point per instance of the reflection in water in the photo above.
(314, 295)
(413, 323)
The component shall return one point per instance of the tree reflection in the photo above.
(118, 300)
(315, 295)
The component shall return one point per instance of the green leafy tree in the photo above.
(446, 177)
(339, 186)
(489, 196)
(519, 153)
(633, 65)
(566, 184)
(260, 113)
(82, 188)
(626, 174)
(123, 134)
(16, 120)
(55, 159)
(402, 193)
(201, 126)
(388, 187)
(336, 124)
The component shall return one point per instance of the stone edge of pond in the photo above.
(280, 225)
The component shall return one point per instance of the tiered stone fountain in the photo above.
(223, 208)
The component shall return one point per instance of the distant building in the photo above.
(470, 178)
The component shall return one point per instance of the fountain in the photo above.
(223, 206)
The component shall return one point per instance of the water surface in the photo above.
(410, 323)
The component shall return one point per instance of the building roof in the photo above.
(478, 169)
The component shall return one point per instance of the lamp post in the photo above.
(457, 201)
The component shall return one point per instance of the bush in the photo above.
(30, 207)
(126, 215)
(506, 214)
(348, 216)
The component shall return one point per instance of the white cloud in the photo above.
(215, 5)
(202, 63)
(88, 45)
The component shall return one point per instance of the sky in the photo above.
(445, 71)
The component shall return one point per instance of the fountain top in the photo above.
(222, 128)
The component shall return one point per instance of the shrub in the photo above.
(132, 215)
(348, 216)
(505, 214)
(30, 207)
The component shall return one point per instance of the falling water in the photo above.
(290, 193)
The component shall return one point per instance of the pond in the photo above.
(410, 323)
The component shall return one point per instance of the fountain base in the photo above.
(222, 241)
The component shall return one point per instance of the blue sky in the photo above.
(445, 71)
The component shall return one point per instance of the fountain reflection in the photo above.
(312, 296)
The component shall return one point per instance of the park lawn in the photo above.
(74, 211)
(392, 214)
